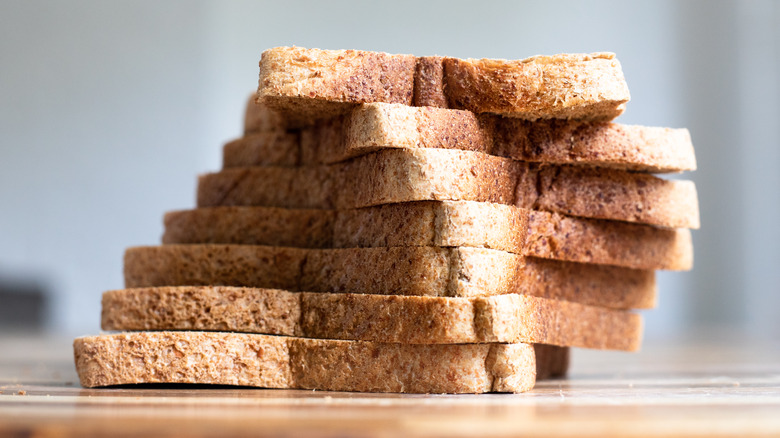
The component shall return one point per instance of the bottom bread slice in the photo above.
(285, 362)
(383, 318)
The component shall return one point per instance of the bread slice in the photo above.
(259, 118)
(285, 362)
(404, 175)
(306, 84)
(382, 318)
(421, 271)
(551, 361)
(265, 148)
(375, 126)
(439, 223)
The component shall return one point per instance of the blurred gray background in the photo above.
(109, 110)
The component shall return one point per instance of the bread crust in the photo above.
(413, 271)
(284, 362)
(565, 86)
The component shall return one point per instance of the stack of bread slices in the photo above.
(390, 223)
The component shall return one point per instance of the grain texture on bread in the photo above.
(420, 271)
(405, 175)
(439, 223)
(284, 362)
(382, 318)
(375, 126)
(308, 84)
(565, 86)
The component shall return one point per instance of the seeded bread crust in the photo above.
(416, 271)
(405, 175)
(382, 318)
(308, 84)
(439, 223)
(375, 126)
(284, 362)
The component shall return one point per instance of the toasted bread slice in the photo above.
(375, 126)
(404, 175)
(421, 271)
(383, 318)
(307, 84)
(285, 362)
(439, 223)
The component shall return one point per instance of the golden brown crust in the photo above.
(405, 175)
(439, 223)
(282, 362)
(415, 271)
(566, 86)
(381, 318)
(307, 84)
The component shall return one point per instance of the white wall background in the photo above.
(109, 110)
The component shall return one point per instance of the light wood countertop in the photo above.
(687, 389)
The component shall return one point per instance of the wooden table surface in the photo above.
(688, 389)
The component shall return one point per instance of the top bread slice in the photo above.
(405, 175)
(307, 84)
(375, 126)
(287, 362)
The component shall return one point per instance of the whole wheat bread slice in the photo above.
(421, 271)
(382, 318)
(404, 175)
(285, 362)
(375, 126)
(307, 84)
(439, 223)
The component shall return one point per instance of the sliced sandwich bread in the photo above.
(376, 126)
(382, 318)
(287, 362)
(422, 271)
(404, 175)
(439, 223)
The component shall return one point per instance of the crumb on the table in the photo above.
(22, 392)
